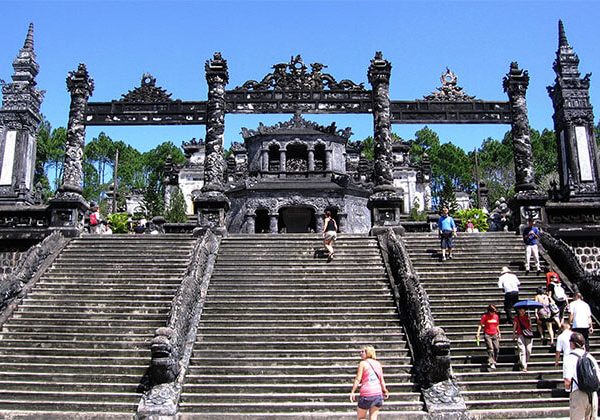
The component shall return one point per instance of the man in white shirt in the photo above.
(562, 343)
(581, 404)
(509, 282)
(580, 317)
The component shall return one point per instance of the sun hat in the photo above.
(506, 270)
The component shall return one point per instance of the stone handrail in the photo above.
(430, 345)
(564, 257)
(30, 266)
(172, 345)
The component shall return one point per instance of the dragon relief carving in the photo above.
(449, 91)
(147, 92)
(295, 76)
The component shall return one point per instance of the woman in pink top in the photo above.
(372, 385)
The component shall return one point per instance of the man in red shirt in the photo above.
(490, 322)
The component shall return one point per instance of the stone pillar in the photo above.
(311, 160)
(385, 202)
(212, 204)
(80, 86)
(528, 202)
(19, 122)
(69, 206)
(217, 77)
(319, 220)
(282, 156)
(265, 160)
(250, 222)
(328, 160)
(273, 223)
(379, 77)
(515, 85)
(579, 166)
(343, 219)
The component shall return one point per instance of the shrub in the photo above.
(477, 216)
(118, 222)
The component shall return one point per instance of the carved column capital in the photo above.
(79, 82)
(516, 81)
(216, 70)
(380, 70)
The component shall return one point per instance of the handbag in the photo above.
(554, 309)
(525, 332)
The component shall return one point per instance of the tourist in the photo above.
(545, 315)
(447, 232)
(524, 336)
(558, 295)
(509, 282)
(106, 229)
(372, 385)
(551, 276)
(580, 317)
(531, 237)
(490, 323)
(329, 234)
(95, 219)
(582, 405)
(562, 343)
(141, 226)
(470, 227)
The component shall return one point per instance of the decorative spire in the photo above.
(28, 45)
(562, 36)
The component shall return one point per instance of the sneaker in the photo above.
(539, 272)
(443, 258)
(493, 366)
(449, 257)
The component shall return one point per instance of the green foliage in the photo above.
(118, 222)
(477, 216)
(416, 214)
(153, 201)
(545, 154)
(447, 197)
(176, 211)
(368, 151)
(497, 168)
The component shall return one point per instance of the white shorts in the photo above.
(330, 235)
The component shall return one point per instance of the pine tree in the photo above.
(176, 211)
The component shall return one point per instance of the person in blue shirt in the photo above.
(447, 231)
(531, 237)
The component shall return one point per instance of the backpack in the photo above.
(588, 380)
(558, 293)
(93, 219)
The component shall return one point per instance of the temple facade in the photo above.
(282, 178)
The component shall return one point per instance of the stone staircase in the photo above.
(459, 291)
(79, 342)
(281, 331)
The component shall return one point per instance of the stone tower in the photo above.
(574, 125)
(19, 122)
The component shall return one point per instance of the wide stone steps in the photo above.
(78, 342)
(459, 291)
(281, 329)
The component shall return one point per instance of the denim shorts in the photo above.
(371, 401)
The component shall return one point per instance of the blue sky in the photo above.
(120, 40)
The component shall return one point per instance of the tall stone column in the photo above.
(328, 160)
(579, 166)
(212, 204)
(217, 77)
(528, 202)
(69, 206)
(379, 77)
(515, 85)
(19, 121)
(386, 201)
(250, 222)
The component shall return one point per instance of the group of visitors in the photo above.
(98, 226)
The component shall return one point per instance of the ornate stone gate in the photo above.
(292, 87)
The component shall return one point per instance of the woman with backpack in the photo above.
(545, 315)
(558, 295)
